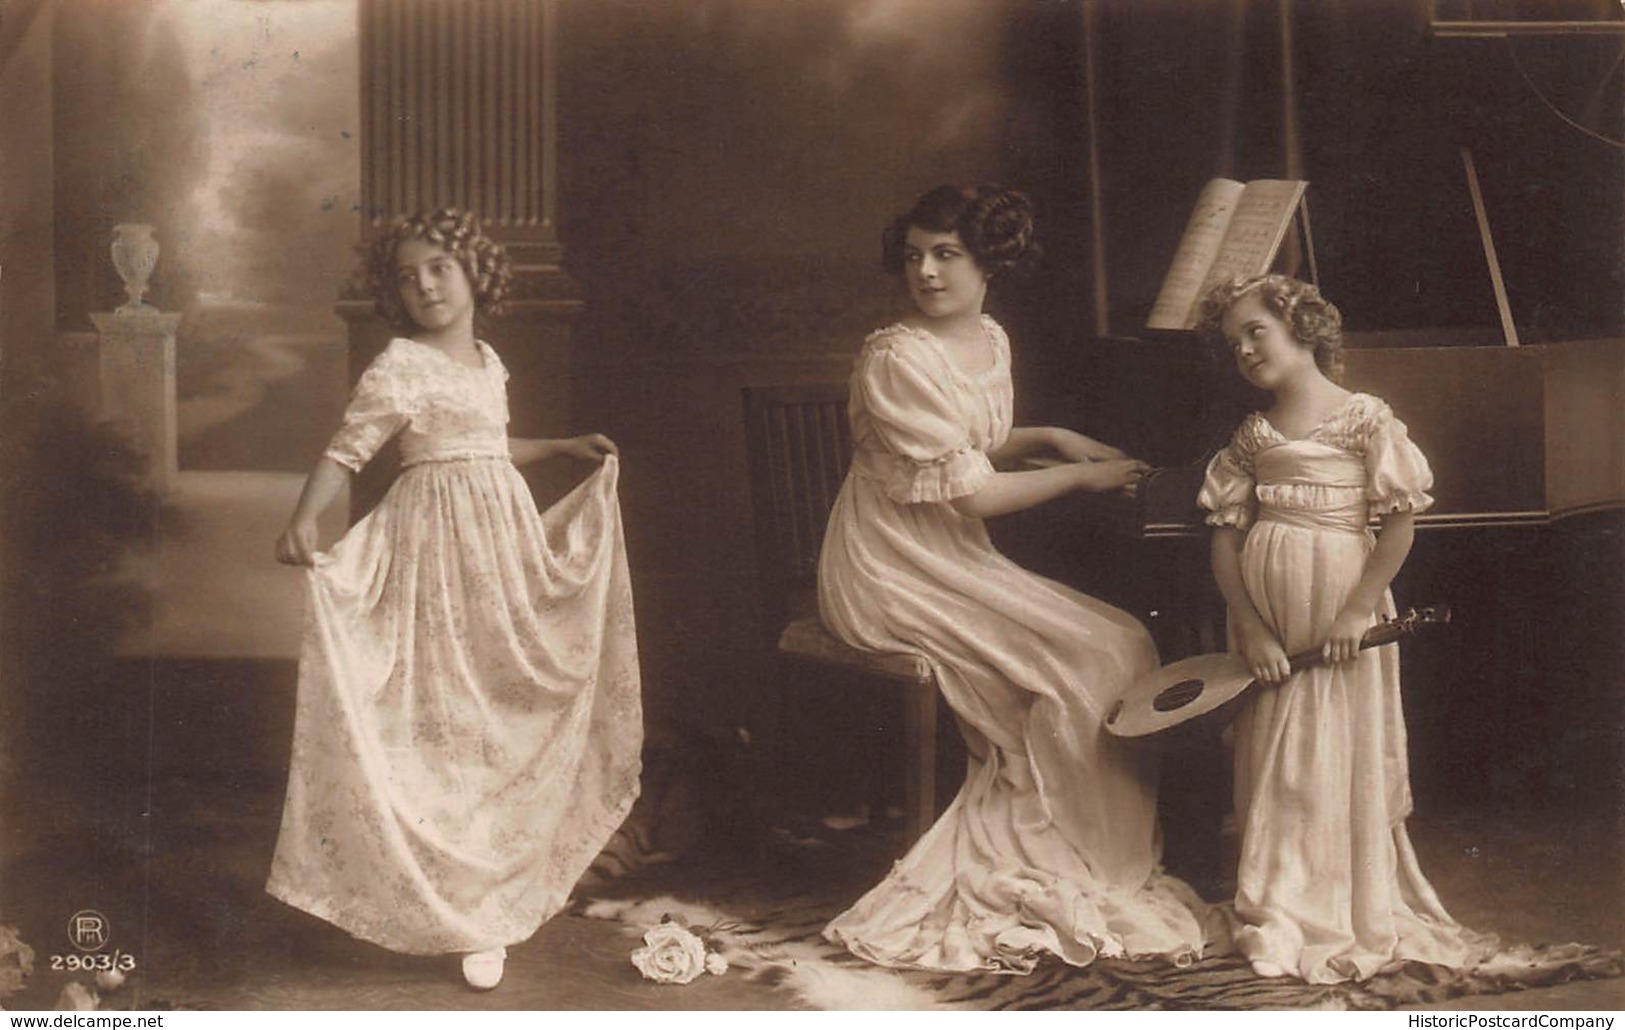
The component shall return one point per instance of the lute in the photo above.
(1203, 691)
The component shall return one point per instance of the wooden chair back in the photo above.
(798, 446)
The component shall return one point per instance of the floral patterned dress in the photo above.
(469, 723)
(1329, 888)
(1049, 848)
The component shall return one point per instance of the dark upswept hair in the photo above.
(484, 261)
(1313, 320)
(994, 223)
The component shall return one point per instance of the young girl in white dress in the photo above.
(1050, 847)
(1328, 887)
(469, 721)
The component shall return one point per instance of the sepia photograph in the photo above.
(812, 505)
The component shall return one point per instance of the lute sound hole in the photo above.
(1179, 695)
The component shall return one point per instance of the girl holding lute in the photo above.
(1328, 887)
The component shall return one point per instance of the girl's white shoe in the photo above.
(483, 969)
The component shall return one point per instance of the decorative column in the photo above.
(136, 376)
(458, 108)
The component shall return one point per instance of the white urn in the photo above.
(135, 255)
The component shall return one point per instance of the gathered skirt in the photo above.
(469, 722)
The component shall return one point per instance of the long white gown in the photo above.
(1329, 888)
(469, 722)
(1050, 847)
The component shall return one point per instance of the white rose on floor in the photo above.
(671, 955)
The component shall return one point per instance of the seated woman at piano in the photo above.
(1050, 847)
(1328, 887)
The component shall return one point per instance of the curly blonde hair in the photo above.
(484, 261)
(1313, 320)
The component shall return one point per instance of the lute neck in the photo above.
(1376, 636)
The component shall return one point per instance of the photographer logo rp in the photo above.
(88, 930)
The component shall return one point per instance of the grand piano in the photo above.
(1520, 697)
(1383, 117)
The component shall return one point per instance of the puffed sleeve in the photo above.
(496, 359)
(911, 403)
(1227, 489)
(376, 412)
(1397, 474)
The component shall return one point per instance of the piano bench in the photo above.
(808, 640)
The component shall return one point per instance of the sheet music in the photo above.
(1198, 247)
(1257, 225)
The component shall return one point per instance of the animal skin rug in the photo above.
(782, 946)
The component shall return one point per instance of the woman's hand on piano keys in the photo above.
(1123, 475)
(1112, 474)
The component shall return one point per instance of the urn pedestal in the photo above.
(136, 379)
